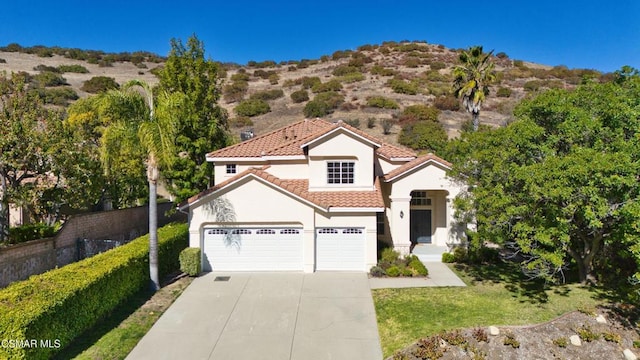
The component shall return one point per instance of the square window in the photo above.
(231, 169)
(340, 172)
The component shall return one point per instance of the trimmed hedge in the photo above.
(190, 261)
(60, 305)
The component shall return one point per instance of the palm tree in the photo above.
(139, 124)
(472, 78)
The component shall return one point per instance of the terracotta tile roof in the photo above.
(287, 141)
(413, 164)
(300, 187)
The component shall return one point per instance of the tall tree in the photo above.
(149, 125)
(30, 161)
(561, 185)
(202, 125)
(472, 78)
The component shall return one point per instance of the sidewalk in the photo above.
(439, 275)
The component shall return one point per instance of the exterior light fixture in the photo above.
(401, 214)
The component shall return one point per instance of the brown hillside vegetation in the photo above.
(370, 85)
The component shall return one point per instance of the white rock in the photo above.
(629, 355)
(575, 340)
(494, 331)
(601, 320)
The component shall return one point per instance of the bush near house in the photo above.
(190, 261)
(392, 265)
(63, 303)
(23, 233)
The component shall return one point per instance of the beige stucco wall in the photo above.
(387, 165)
(441, 189)
(252, 202)
(340, 146)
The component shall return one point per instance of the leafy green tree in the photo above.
(35, 152)
(560, 185)
(472, 78)
(424, 135)
(150, 126)
(203, 124)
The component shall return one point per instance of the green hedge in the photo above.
(190, 261)
(61, 304)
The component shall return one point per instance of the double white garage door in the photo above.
(281, 249)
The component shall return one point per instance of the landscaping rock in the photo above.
(575, 340)
(494, 331)
(601, 320)
(629, 355)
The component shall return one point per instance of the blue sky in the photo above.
(579, 34)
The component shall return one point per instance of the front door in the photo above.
(420, 223)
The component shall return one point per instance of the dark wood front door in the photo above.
(420, 223)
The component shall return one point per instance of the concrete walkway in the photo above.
(272, 316)
(439, 275)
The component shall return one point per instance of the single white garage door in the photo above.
(340, 249)
(252, 249)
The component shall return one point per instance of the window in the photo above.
(352, 231)
(380, 223)
(241, 232)
(328, 231)
(420, 198)
(266, 231)
(289, 231)
(231, 169)
(217, 231)
(340, 172)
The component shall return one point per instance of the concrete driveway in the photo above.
(324, 315)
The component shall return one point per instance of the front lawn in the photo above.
(494, 296)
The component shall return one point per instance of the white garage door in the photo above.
(340, 249)
(252, 249)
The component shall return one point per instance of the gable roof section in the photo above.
(414, 164)
(291, 140)
(299, 188)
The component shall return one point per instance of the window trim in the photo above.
(339, 175)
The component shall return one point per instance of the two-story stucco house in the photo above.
(316, 195)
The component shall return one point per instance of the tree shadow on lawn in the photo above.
(111, 321)
(527, 290)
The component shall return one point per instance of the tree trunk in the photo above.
(152, 175)
(476, 120)
(4, 210)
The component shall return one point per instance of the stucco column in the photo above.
(399, 224)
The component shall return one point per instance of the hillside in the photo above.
(405, 73)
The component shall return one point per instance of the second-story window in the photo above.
(340, 172)
(231, 169)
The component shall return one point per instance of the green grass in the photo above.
(116, 336)
(494, 296)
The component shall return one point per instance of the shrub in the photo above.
(353, 122)
(504, 92)
(382, 71)
(460, 254)
(376, 271)
(263, 74)
(510, 339)
(393, 271)
(412, 62)
(502, 55)
(480, 334)
(437, 65)
(309, 82)
(420, 112)
(315, 109)
(344, 70)
(387, 124)
(533, 85)
(240, 76)
(331, 85)
(447, 258)
(447, 103)
(382, 102)
(267, 95)
(561, 342)
(405, 271)
(351, 78)
(63, 303)
(389, 256)
(331, 99)
(190, 261)
(98, 84)
(418, 267)
(402, 87)
(371, 123)
(252, 107)
(43, 68)
(454, 338)
(22, 233)
(424, 135)
(58, 96)
(300, 96)
(240, 121)
(235, 91)
(79, 69)
(273, 79)
(3, 61)
(48, 78)
(612, 337)
(586, 334)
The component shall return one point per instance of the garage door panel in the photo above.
(340, 249)
(252, 249)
